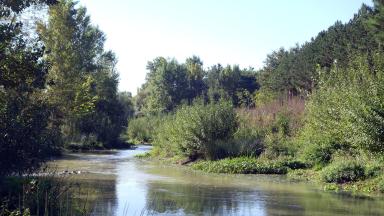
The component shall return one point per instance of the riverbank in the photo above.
(158, 186)
(277, 138)
(370, 183)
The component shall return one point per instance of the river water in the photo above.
(128, 186)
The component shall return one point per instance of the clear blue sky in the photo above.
(231, 32)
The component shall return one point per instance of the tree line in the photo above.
(295, 70)
(58, 89)
(170, 84)
(286, 72)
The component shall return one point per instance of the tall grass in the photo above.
(47, 194)
(273, 126)
(265, 115)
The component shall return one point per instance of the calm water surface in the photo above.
(128, 186)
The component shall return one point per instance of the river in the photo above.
(128, 186)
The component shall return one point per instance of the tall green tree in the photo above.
(294, 71)
(376, 23)
(28, 133)
(167, 85)
(230, 82)
(195, 75)
(82, 77)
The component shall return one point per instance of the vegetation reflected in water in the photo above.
(127, 186)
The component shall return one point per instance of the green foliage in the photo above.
(242, 165)
(277, 138)
(294, 72)
(223, 81)
(303, 174)
(28, 133)
(346, 109)
(342, 171)
(143, 129)
(373, 169)
(380, 185)
(167, 81)
(163, 146)
(201, 130)
(82, 79)
(143, 155)
(231, 83)
(84, 100)
(293, 163)
(244, 98)
(264, 96)
(376, 22)
(169, 84)
(248, 139)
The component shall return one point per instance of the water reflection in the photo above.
(190, 199)
(126, 186)
(105, 202)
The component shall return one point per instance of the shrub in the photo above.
(343, 171)
(373, 169)
(380, 185)
(28, 133)
(163, 144)
(276, 139)
(200, 130)
(295, 164)
(275, 145)
(249, 138)
(242, 165)
(345, 113)
(264, 96)
(142, 129)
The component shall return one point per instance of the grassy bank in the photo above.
(343, 175)
(242, 165)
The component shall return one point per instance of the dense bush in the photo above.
(248, 138)
(294, 163)
(380, 185)
(264, 96)
(343, 171)
(142, 129)
(242, 165)
(28, 135)
(200, 130)
(346, 112)
(373, 169)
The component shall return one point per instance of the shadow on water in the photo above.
(127, 186)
